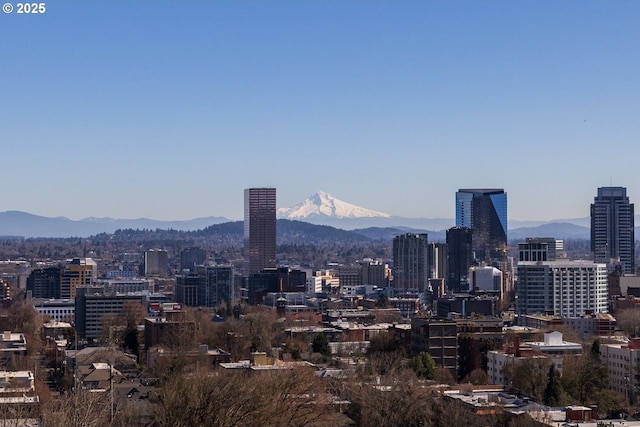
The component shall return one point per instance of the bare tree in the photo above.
(395, 401)
(477, 377)
(261, 324)
(583, 378)
(529, 376)
(286, 397)
(79, 409)
(443, 375)
(112, 325)
(628, 320)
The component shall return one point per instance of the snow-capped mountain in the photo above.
(323, 204)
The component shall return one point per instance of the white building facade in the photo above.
(60, 310)
(623, 364)
(314, 284)
(561, 288)
(553, 348)
(488, 279)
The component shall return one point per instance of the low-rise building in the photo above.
(439, 338)
(81, 360)
(552, 348)
(98, 377)
(260, 361)
(61, 310)
(477, 336)
(623, 364)
(489, 404)
(56, 331)
(599, 324)
(12, 344)
(202, 354)
(17, 391)
(94, 303)
(171, 333)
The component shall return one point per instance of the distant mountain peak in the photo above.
(323, 204)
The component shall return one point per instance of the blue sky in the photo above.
(169, 109)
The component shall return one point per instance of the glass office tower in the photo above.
(484, 211)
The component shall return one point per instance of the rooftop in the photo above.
(553, 342)
(54, 324)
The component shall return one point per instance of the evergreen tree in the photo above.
(321, 345)
(552, 392)
(595, 350)
(130, 340)
(423, 365)
(383, 301)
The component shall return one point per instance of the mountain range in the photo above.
(16, 223)
(320, 208)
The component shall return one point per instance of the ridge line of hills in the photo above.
(24, 225)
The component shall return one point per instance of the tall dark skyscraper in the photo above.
(460, 258)
(191, 257)
(485, 212)
(411, 262)
(612, 234)
(259, 228)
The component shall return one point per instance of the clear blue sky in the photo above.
(169, 109)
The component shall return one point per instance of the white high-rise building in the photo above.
(561, 288)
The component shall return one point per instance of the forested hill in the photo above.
(287, 231)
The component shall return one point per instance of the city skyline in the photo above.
(169, 111)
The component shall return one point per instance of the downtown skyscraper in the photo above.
(612, 234)
(459, 257)
(259, 229)
(411, 262)
(484, 211)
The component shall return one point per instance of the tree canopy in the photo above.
(423, 365)
(321, 345)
